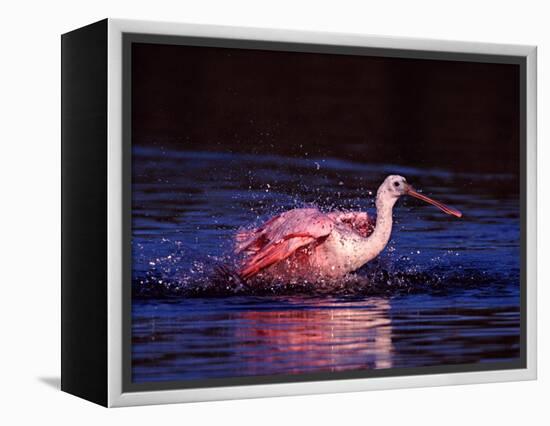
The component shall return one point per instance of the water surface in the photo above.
(445, 291)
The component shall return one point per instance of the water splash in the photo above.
(184, 219)
(180, 274)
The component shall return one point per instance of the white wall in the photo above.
(30, 198)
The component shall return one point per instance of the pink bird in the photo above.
(310, 245)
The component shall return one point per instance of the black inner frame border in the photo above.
(130, 38)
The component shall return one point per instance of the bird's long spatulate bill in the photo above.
(446, 209)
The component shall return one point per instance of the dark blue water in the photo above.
(445, 290)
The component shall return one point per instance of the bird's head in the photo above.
(394, 186)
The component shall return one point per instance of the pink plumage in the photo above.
(296, 236)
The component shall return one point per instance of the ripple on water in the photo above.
(444, 291)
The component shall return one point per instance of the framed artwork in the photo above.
(251, 212)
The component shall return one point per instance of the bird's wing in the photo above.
(360, 222)
(252, 240)
(280, 237)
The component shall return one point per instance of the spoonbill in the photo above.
(308, 244)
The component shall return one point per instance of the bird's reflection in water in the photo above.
(320, 336)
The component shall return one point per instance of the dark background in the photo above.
(461, 116)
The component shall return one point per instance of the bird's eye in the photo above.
(396, 184)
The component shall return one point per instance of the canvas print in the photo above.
(302, 216)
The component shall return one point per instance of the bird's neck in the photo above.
(384, 222)
(370, 247)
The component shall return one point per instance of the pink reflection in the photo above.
(317, 337)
